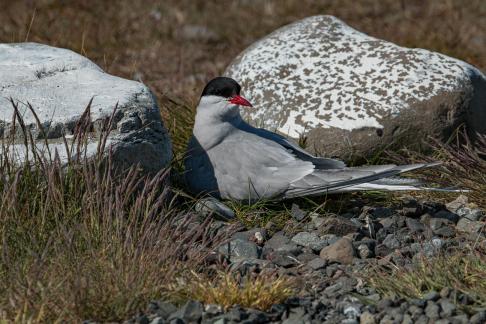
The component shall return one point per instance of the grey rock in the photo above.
(415, 311)
(460, 202)
(391, 242)
(432, 295)
(177, 321)
(473, 214)
(310, 240)
(364, 251)
(282, 259)
(460, 319)
(338, 225)
(352, 92)
(330, 238)
(192, 311)
(445, 214)
(250, 266)
(384, 304)
(306, 257)
(211, 206)
(222, 320)
(428, 248)
(316, 219)
(317, 264)
(367, 318)
(352, 311)
(162, 309)
(477, 318)
(447, 307)
(414, 225)
(442, 321)
(381, 212)
(59, 85)
(423, 319)
(290, 248)
(445, 231)
(237, 250)
(407, 319)
(142, 319)
(436, 223)
(341, 251)
(445, 292)
(277, 240)
(157, 320)
(432, 310)
(257, 235)
(469, 226)
(213, 309)
(297, 213)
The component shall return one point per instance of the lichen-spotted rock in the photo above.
(352, 94)
(59, 85)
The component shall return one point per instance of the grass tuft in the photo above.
(260, 291)
(462, 272)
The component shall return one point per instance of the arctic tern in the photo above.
(229, 159)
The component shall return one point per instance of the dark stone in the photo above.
(236, 314)
(418, 302)
(478, 318)
(448, 308)
(239, 249)
(192, 311)
(432, 295)
(414, 225)
(391, 242)
(311, 240)
(317, 264)
(282, 259)
(255, 316)
(432, 310)
(384, 304)
(445, 231)
(277, 240)
(142, 319)
(297, 213)
(436, 223)
(161, 308)
(306, 257)
(338, 225)
(445, 214)
(381, 212)
(460, 319)
(445, 292)
(250, 234)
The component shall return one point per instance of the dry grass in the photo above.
(463, 166)
(462, 272)
(226, 289)
(81, 241)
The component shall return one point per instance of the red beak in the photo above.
(239, 100)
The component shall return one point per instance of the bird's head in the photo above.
(221, 98)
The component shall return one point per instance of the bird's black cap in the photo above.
(223, 87)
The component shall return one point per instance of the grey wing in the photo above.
(247, 166)
(322, 181)
(320, 163)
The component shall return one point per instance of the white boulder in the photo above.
(352, 94)
(59, 85)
